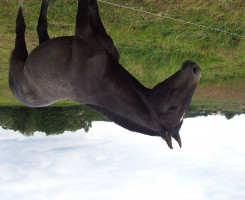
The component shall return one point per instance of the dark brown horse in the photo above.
(85, 68)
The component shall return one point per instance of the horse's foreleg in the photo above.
(94, 17)
(98, 27)
(83, 28)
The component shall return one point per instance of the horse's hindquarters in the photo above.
(46, 74)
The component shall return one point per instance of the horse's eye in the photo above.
(172, 108)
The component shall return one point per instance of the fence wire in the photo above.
(171, 18)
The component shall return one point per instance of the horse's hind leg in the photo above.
(42, 23)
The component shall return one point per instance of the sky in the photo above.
(110, 162)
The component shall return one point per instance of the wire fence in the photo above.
(172, 18)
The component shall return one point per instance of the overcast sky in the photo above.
(111, 163)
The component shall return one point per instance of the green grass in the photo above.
(12, 101)
(152, 48)
(213, 106)
(160, 45)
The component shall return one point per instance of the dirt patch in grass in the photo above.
(225, 93)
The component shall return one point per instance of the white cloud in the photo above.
(110, 162)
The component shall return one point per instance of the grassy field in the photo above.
(152, 48)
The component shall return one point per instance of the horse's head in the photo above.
(171, 98)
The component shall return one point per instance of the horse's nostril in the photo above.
(196, 69)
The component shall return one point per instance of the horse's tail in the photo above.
(19, 54)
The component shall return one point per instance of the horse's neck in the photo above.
(128, 98)
(125, 122)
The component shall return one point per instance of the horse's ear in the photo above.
(168, 131)
(167, 137)
(176, 136)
